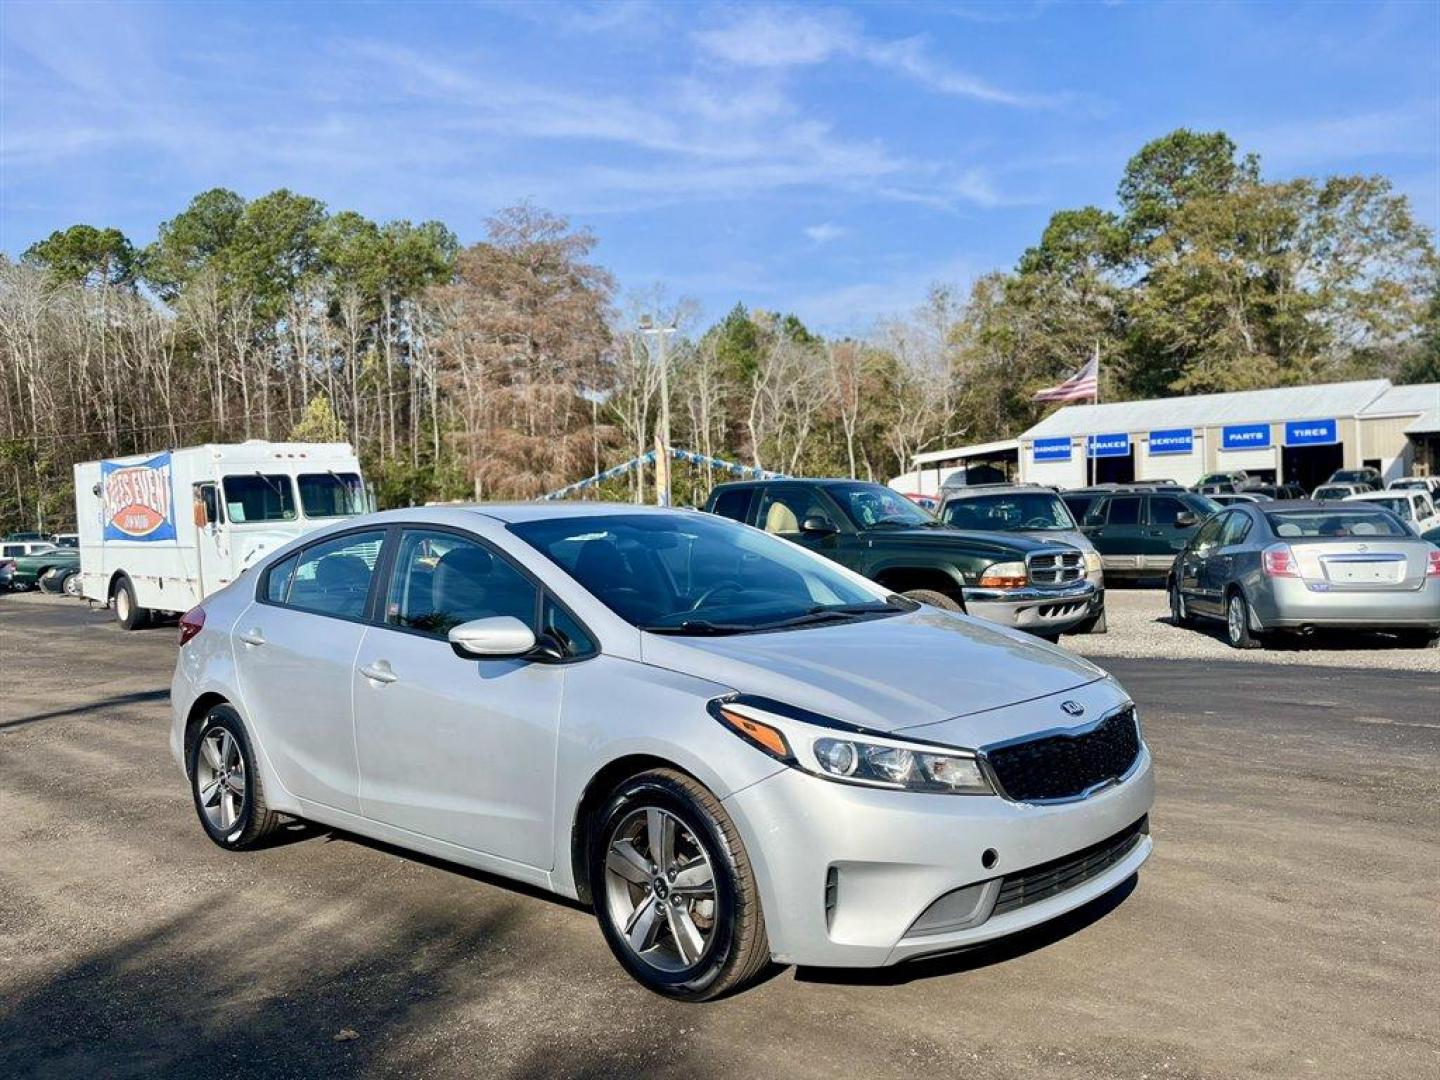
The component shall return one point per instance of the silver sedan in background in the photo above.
(1302, 566)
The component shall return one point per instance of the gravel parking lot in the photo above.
(1139, 621)
(1286, 926)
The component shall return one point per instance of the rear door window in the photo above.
(1124, 510)
(733, 503)
(333, 577)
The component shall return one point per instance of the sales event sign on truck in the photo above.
(137, 501)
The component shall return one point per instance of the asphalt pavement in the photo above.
(1285, 927)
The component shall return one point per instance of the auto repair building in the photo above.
(1299, 433)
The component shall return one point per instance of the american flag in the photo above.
(1083, 385)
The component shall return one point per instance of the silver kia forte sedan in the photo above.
(737, 751)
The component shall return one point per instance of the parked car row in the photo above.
(31, 560)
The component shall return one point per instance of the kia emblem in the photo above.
(1072, 708)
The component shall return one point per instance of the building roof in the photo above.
(939, 457)
(1428, 424)
(1241, 407)
(1406, 400)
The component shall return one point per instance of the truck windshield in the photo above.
(1010, 513)
(331, 494)
(259, 497)
(871, 506)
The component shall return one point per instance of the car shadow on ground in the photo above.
(979, 956)
(140, 697)
(1316, 641)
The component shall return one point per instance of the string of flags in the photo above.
(690, 457)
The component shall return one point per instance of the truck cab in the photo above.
(160, 532)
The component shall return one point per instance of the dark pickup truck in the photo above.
(1013, 580)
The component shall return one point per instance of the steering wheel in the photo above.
(1037, 523)
(714, 590)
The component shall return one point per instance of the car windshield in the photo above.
(871, 506)
(1037, 510)
(680, 573)
(331, 494)
(1331, 492)
(1399, 506)
(1347, 522)
(259, 497)
(1217, 478)
(1351, 476)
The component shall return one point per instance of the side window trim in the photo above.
(389, 555)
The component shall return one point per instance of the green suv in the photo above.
(1139, 535)
(1014, 580)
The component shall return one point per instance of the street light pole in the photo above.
(662, 470)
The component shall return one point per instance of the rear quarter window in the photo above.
(732, 503)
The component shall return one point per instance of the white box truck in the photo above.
(160, 532)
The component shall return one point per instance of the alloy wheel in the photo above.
(1235, 620)
(71, 585)
(660, 889)
(220, 778)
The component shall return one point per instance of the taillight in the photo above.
(1278, 560)
(1432, 564)
(191, 623)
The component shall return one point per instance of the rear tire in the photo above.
(707, 896)
(225, 783)
(52, 581)
(129, 614)
(934, 599)
(1237, 622)
(1179, 613)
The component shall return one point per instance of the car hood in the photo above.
(1073, 537)
(887, 673)
(966, 540)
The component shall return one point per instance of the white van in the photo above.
(160, 532)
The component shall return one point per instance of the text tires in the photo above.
(225, 784)
(128, 613)
(674, 890)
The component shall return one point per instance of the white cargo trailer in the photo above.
(160, 532)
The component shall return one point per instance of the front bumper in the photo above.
(1290, 603)
(1038, 610)
(894, 853)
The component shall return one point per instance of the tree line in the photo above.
(512, 366)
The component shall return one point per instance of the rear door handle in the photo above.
(252, 637)
(379, 672)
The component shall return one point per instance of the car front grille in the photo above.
(1041, 882)
(1055, 567)
(1066, 764)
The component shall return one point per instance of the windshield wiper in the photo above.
(699, 627)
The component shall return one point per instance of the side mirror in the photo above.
(202, 518)
(819, 525)
(1185, 519)
(495, 638)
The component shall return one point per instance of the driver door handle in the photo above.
(252, 637)
(379, 672)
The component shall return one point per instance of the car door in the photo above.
(783, 508)
(451, 747)
(1220, 564)
(294, 653)
(1163, 538)
(1116, 532)
(1190, 564)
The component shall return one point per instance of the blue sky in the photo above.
(828, 159)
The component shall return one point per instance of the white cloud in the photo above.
(774, 37)
(825, 232)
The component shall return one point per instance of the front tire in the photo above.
(1237, 622)
(51, 581)
(933, 598)
(225, 784)
(71, 585)
(674, 890)
(129, 614)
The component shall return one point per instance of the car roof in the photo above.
(976, 490)
(515, 512)
(807, 481)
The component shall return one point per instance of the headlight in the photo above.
(1004, 575)
(1093, 562)
(848, 755)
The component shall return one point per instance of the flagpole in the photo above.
(1089, 449)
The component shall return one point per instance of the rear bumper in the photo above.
(1040, 611)
(1290, 604)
